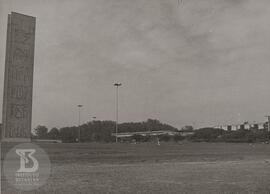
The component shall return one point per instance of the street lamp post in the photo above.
(79, 123)
(116, 123)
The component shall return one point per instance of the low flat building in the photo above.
(146, 133)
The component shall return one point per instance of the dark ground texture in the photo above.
(149, 168)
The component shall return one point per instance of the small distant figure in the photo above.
(158, 142)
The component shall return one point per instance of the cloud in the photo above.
(198, 59)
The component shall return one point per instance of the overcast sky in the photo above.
(193, 62)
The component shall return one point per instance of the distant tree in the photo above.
(53, 133)
(153, 124)
(69, 134)
(41, 132)
(207, 134)
(33, 136)
(244, 135)
(94, 131)
(149, 125)
(101, 131)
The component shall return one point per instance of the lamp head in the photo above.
(117, 84)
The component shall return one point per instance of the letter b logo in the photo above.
(26, 156)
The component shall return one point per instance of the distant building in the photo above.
(186, 133)
(146, 133)
(246, 125)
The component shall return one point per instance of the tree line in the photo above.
(102, 131)
(239, 136)
(98, 131)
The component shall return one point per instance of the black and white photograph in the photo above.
(135, 96)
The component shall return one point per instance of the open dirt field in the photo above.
(148, 168)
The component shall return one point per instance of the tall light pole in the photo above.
(117, 85)
(79, 123)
